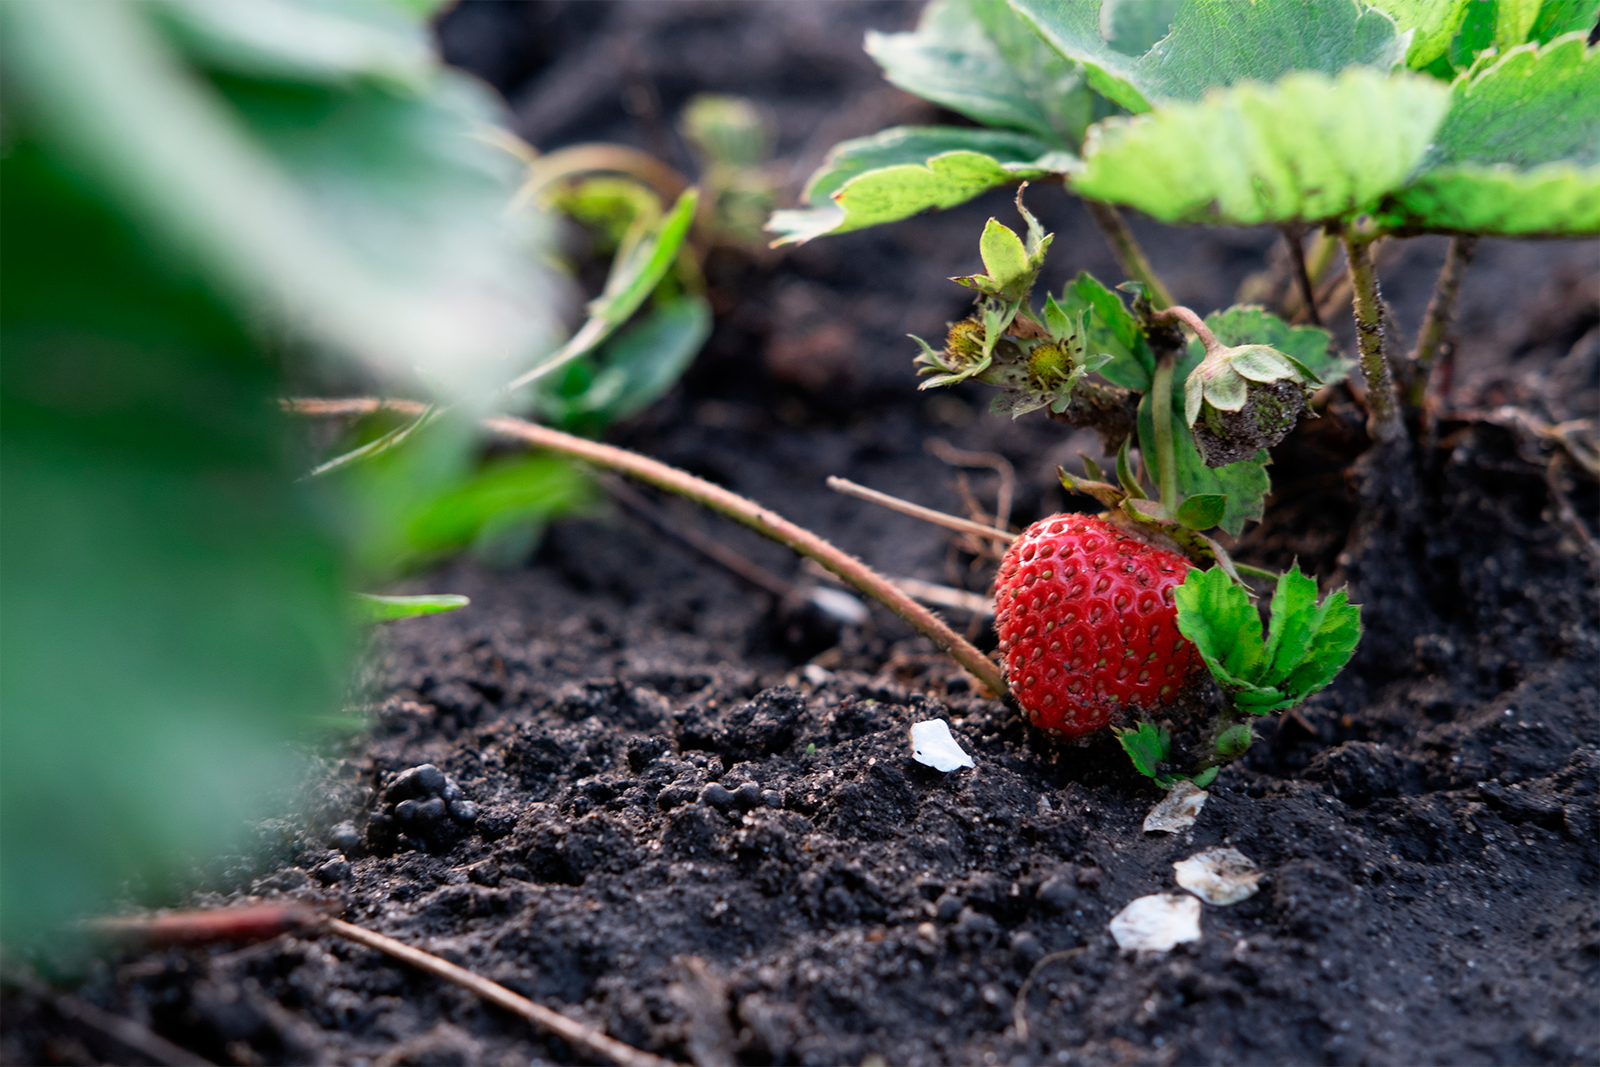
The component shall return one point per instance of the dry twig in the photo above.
(569, 1030)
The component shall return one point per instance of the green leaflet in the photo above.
(977, 58)
(1217, 43)
(1113, 330)
(1307, 643)
(909, 169)
(1248, 324)
(1518, 153)
(1148, 746)
(1307, 148)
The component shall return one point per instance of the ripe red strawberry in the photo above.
(1087, 623)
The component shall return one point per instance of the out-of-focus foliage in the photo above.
(202, 201)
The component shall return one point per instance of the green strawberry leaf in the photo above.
(1217, 616)
(979, 59)
(1112, 329)
(1206, 777)
(1335, 632)
(905, 170)
(1308, 346)
(1148, 746)
(1308, 148)
(1432, 24)
(1216, 44)
(1202, 512)
(371, 608)
(1518, 153)
(1557, 17)
(1307, 643)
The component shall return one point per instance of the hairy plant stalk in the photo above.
(1441, 309)
(1125, 246)
(748, 512)
(1383, 413)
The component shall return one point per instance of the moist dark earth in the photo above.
(683, 809)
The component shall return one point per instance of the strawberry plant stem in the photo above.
(1194, 322)
(720, 500)
(1130, 257)
(1440, 311)
(1161, 416)
(1383, 414)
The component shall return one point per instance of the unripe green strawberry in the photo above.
(1087, 624)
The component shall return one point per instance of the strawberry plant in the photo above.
(1355, 122)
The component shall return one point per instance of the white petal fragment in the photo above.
(1156, 923)
(1178, 811)
(932, 746)
(1220, 876)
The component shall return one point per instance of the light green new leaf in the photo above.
(373, 608)
(1307, 148)
(1112, 329)
(977, 58)
(1216, 43)
(1289, 629)
(1518, 154)
(1217, 616)
(910, 169)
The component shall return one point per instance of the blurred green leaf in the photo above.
(373, 607)
(1213, 44)
(1518, 153)
(631, 370)
(1306, 148)
(901, 171)
(640, 264)
(376, 224)
(208, 198)
(978, 58)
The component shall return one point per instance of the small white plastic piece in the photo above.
(1178, 810)
(1219, 876)
(844, 608)
(1156, 923)
(932, 746)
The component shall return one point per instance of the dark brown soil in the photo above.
(697, 824)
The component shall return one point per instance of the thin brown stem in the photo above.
(906, 507)
(720, 500)
(1125, 247)
(1383, 414)
(1441, 309)
(569, 1030)
(1293, 236)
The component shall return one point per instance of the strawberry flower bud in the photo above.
(1240, 400)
